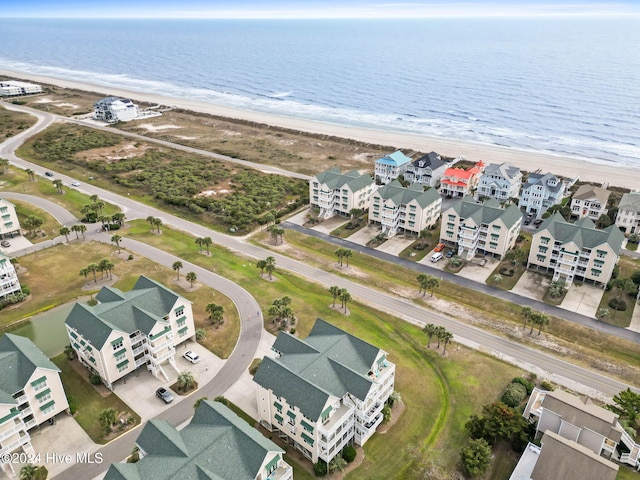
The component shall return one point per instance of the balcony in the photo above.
(161, 358)
(339, 417)
(23, 440)
(21, 399)
(138, 351)
(26, 412)
(156, 348)
(283, 472)
(12, 431)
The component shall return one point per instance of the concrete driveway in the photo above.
(364, 235)
(583, 299)
(396, 244)
(330, 224)
(138, 389)
(477, 272)
(532, 285)
(17, 243)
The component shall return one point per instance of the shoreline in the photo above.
(589, 170)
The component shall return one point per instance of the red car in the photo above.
(439, 247)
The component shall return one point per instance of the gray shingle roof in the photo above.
(138, 309)
(430, 160)
(488, 212)
(330, 362)
(334, 178)
(542, 179)
(583, 233)
(216, 444)
(400, 195)
(19, 358)
(501, 169)
(630, 201)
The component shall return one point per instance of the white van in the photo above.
(436, 256)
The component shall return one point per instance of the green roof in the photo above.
(583, 233)
(488, 212)
(216, 444)
(19, 358)
(138, 309)
(329, 362)
(399, 195)
(333, 178)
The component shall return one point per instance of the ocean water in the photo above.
(563, 86)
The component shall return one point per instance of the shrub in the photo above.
(514, 394)
(546, 385)
(349, 453)
(619, 305)
(386, 414)
(526, 383)
(95, 379)
(222, 400)
(25, 289)
(254, 366)
(320, 468)
(476, 457)
(293, 330)
(130, 257)
(73, 406)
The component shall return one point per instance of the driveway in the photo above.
(396, 244)
(583, 299)
(17, 244)
(532, 285)
(138, 389)
(365, 234)
(477, 272)
(330, 224)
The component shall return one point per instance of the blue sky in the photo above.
(311, 9)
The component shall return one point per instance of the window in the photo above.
(181, 321)
(307, 439)
(307, 426)
(39, 384)
(292, 417)
(451, 225)
(452, 218)
(543, 249)
(179, 311)
(272, 465)
(120, 355)
(326, 414)
(493, 245)
(48, 407)
(595, 272)
(449, 234)
(3, 209)
(279, 419)
(544, 240)
(123, 366)
(541, 258)
(601, 253)
(412, 208)
(44, 396)
(117, 344)
(495, 236)
(496, 228)
(278, 407)
(183, 331)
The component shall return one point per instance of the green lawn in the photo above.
(508, 280)
(90, 402)
(622, 319)
(50, 227)
(626, 473)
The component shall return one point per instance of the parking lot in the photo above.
(396, 244)
(583, 299)
(15, 244)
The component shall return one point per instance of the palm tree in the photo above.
(270, 266)
(98, 206)
(158, 223)
(345, 297)
(433, 283)
(94, 198)
(4, 165)
(76, 229)
(65, 231)
(430, 330)
(346, 254)
(540, 319)
(177, 266)
(118, 218)
(335, 291)
(191, 278)
(186, 381)
(216, 313)
(526, 313)
(440, 332)
(58, 184)
(199, 401)
(340, 253)
(28, 472)
(603, 312)
(104, 219)
(199, 242)
(69, 352)
(84, 272)
(82, 228)
(31, 174)
(106, 265)
(446, 338)
(261, 264)
(207, 242)
(93, 268)
(107, 418)
(423, 280)
(116, 239)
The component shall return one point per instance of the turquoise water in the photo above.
(47, 330)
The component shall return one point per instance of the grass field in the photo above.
(12, 123)
(49, 229)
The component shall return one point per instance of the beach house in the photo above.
(9, 282)
(499, 181)
(589, 201)
(114, 109)
(575, 250)
(216, 444)
(390, 167)
(31, 394)
(334, 192)
(542, 191)
(9, 224)
(628, 217)
(458, 182)
(486, 228)
(127, 330)
(14, 88)
(426, 170)
(325, 392)
(407, 210)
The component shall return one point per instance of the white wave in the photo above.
(280, 94)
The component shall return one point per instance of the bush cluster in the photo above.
(619, 305)
(349, 453)
(514, 394)
(526, 383)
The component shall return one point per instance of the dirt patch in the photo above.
(100, 282)
(158, 128)
(84, 373)
(115, 153)
(186, 285)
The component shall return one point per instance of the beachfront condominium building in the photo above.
(114, 109)
(459, 182)
(334, 192)
(9, 224)
(542, 191)
(13, 88)
(575, 250)
(127, 330)
(216, 444)
(487, 228)
(593, 430)
(390, 167)
(499, 181)
(426, 170)
(408, 210)
(9, 282)
(325, 392)
(628, 217)
(589, 201)
(31, 393)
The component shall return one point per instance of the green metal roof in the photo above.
(19, 359)
(488, 212)
(216, 444)
(333, 178)
(583, 233)
(399, 195)
(138, 309)
(329, 362)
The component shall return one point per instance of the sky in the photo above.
(312, 8)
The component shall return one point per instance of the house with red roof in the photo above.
(458, 182)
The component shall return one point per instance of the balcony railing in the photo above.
(23, 440)
(12, 431)
(21, 399)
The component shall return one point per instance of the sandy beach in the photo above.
(587, 170)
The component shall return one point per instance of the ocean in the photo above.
(566, 86)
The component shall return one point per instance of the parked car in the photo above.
(5, 243)
(450, 253)
(191, 356)
(436, 257)
(527, 222)
(439, 247)
(48, 174)
(164, 394)
(75, 184)
(538, 221)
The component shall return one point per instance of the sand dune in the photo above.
(587, 169)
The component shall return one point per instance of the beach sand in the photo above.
(586, 170)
